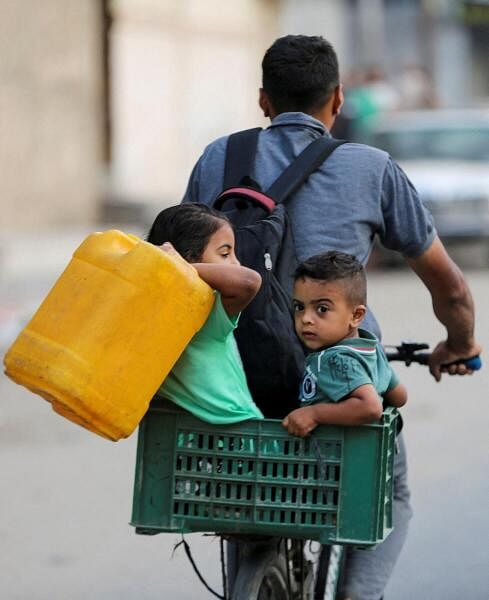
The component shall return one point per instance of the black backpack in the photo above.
(272, 355)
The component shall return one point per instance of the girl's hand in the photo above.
(169, 249)
(301, 421)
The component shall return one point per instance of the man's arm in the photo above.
(452, 305)
(361, 406)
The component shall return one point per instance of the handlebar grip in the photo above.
(422, 358)
(474, 363)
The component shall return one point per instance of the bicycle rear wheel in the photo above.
(262, 575)
(330, 571)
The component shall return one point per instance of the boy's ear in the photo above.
(358, 315)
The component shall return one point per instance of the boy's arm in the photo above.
(361, 406)
(397, 396)
(238, 285)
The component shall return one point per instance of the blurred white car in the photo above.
(446, 156)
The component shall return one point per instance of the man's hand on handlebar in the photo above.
(445, 359)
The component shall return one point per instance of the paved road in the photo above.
(65, 496)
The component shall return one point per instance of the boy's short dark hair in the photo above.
(300, 73)
(335, 266)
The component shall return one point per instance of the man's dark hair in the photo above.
(188, 227)
(335, 266)
(300, 73)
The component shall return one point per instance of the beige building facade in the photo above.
(50, 112)
(108, 103)
(183, 73)
(115, 100)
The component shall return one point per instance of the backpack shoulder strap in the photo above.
(310, 159)
(240, 156)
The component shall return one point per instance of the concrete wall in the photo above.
(317, 17)
(183, 73)
(50, 134)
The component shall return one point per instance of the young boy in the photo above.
(347, 375)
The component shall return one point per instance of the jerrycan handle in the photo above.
(129, 256)
(146, 259)
(113, 251)
(120, 242)
(108, 244)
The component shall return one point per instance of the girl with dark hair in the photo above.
(208, 378)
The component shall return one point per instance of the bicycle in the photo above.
(273, 497)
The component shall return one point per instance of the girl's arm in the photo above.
(397, 396)
(238, 285)
(361, 406)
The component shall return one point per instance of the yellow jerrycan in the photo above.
(109, 332)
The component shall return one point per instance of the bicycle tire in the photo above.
(330, 572)
(262, 575)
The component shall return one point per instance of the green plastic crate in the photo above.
(334, 486)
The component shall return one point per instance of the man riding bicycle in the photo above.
(359, 194)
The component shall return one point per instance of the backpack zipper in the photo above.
(268, 261)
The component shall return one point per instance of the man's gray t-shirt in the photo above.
(357, 193)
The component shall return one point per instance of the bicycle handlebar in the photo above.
(410, 352)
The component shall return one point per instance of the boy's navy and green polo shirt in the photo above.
(335, 372)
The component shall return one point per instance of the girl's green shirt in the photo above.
(208, 379)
